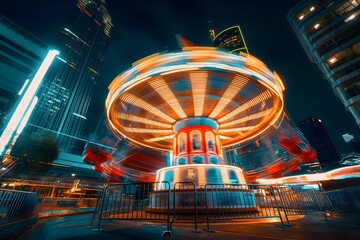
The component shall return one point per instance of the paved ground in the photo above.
(310, 227)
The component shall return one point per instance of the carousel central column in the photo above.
(197, 155)
(196, 142)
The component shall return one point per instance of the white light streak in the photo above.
(129, 98)
(259, 98)
(236, 130)
(29, 94)
(27, 116)
(61, 59)
(234, 87)
(69, 31)
(23, 87)
(146, 130)
(80, 116)
(133, 118)
(159, 138)
(198, 84)
(162, 88)
(247, 118)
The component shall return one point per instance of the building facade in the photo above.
(316, 134)
(230, 39)
(21, 53)
(66, 94)
(21, 56)
(329, 31)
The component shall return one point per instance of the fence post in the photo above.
(277, 207)
(207, 211)
(100, 197)
(282, 203)
(101, 209)
(318, 203)
(168, 232)
(195, 207)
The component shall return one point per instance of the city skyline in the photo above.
(67, 90)
(143, 29)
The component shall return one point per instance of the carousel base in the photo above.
(216, 201)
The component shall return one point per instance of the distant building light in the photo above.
(73, 174)
(333, 60)
(347, 137)
(319, 120)
(316, 26)
(312, 8)
(61, 59)
(23, 87)
(301, 17)
(3, 168)
(351, 17)
(80, 116)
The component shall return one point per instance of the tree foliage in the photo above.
(35, 152)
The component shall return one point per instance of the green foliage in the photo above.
(35, 152)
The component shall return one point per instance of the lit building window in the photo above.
(351, 17)
(332, 60)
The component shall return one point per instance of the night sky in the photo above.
(145, 27)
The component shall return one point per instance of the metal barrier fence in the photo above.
(299, 200)
(157, 201)
(185, 202)
(341, 200)
(239, 201)
(61, 205)
(135, 201)
(16, 205)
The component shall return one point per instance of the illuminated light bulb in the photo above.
(333, 60)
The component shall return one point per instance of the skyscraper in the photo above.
(329, 31)
(23, 63)
(316, 134)
(230, 39)
(65, 96)
(21, 53)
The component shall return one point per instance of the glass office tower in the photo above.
(329, 31)
(230, 39)
(316, 134)
(66, 94)
(21, 55)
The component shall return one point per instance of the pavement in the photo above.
(75, 227)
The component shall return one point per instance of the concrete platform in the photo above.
(339, 227)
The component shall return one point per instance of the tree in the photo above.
(34, 152)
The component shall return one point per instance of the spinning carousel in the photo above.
(193, 103)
